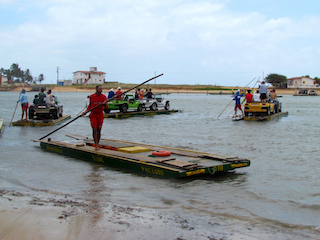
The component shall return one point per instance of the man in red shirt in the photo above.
(249, 97)
(118, 94)
(96, 115)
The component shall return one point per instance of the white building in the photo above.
(89, 77)
(3, 80)
(302, 82)
(65, 82)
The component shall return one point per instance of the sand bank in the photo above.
(26, 216)
(161, 90)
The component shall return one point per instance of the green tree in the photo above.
(17, 75)
(27, 76)
(41, 78)
(277, 80)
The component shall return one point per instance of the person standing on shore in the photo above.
(96, 116)
(24, 103)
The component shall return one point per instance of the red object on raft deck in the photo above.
(161, 153)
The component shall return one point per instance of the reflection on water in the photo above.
(280, 185)
(96, 188)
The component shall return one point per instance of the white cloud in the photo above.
(173, 35)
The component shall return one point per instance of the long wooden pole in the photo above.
(13, 114)
(99, 106)
(251, 89)
(232, 100)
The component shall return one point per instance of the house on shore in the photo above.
(3, 80)
(65, 82)
(302, 82)
(89, 77)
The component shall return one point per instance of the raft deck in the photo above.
(136, 113)
(139, 157)
(266, 118)
(46, 122)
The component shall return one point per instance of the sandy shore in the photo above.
(160, 90)
(26, 216)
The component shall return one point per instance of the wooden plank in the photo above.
(77, 136)
(221, 157)
(111, 143)
(164, 159)
(103, 151)
(181, 152)
(181, 164)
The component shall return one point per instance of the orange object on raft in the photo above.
(161, 153)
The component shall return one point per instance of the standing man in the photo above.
(149, 94)
(263, 92)
(237, 98)
(24, 103)
(96, 115)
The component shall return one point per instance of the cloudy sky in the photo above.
(222, 42)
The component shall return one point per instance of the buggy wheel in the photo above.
(124, 108)
(139, 108)
(153, 107)
(167, 106)
(31, 113)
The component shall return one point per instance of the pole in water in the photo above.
(13, 114)
(100, 105)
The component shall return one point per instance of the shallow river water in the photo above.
(281, 185)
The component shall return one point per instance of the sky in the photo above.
(213, 42)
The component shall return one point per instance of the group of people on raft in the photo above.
(40, 99)
(139, 93)
(261, 95)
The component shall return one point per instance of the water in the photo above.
(280, 186)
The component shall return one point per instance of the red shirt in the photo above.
(96, 100)
(117, 93)
(249, 97)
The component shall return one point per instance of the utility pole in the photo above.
(58, 75)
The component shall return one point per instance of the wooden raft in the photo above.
(170, 162)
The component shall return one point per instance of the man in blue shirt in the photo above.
(237, 98)
(24, 103)
(111, 93)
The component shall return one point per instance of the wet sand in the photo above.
(26, 216)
